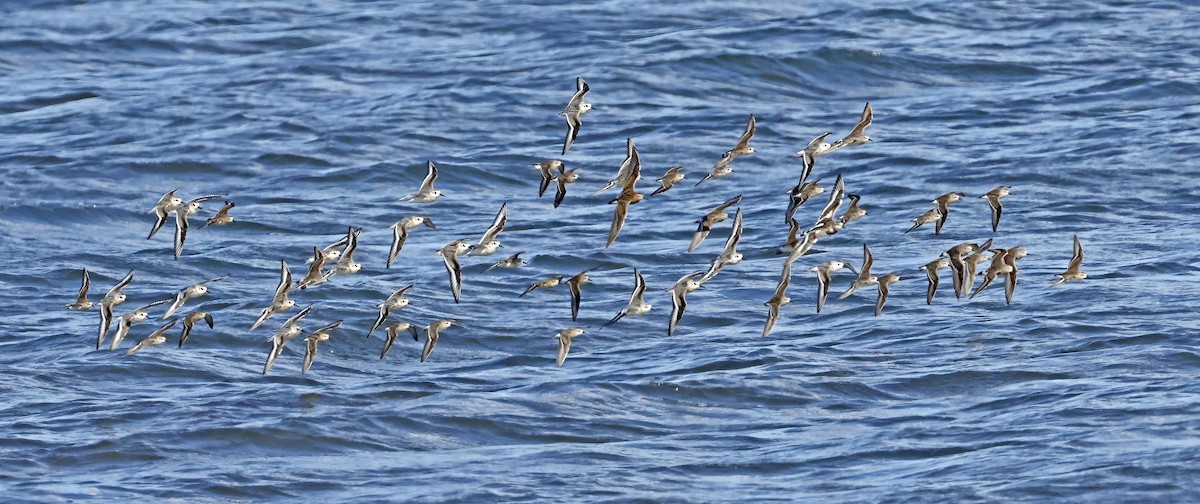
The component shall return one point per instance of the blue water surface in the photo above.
(315, 116)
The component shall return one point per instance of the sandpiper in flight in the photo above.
(637, 303)
(400, 232)
(564, 343)
(426, 193)
(710, 219)
(488, 244)
(1073, 272)
(575, 108)
(450, 253)
(81, 300)
(280, 302)
(993, 198)
(679, 291)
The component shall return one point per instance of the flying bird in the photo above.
(679, 291)
(993, 198)
(778, 299)
(426, 193)
(575, 108)
(637, 303)
(712, 218)
(1073, 272)
(858, 135)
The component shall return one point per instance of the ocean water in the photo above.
(316, 116)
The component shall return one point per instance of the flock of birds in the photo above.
(965, 260)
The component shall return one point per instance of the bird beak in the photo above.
(851, 268)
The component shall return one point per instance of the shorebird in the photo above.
(943, 206)
(673, 175)
(546, 168)
(993, 198)
(884, 282)
(853, 212)
(1010, 282)
(426, 193)
(864, 274)
(828, 223)
(315, 275)
(332, 252)
(712, 218)
(181, 230)
(393, 331)
(432, 332)
(858, 135)
(488, 244)
(628, 196)
(166, 205)
(637, 303)
(222, 217)
(189, 321)
(158, 337)
(190, 292)
(575, 108)
(110, 300)
(574, 284)
(394, 302)
(564, 177)
(1004, 263)
(545, 283)
(564, 343)
(956, 256)
(633, 161)
(743, 146)
(998, 268)
(801, 193)
(932, 274)
(829, 213)
(793, 237)
(925, 218)
(400, 232)
(679, 291)
(824, 273)
(127, 320)
(1073, 272)
(346, 264)
(450, 253)
(722, 168)
(280, 302)
(970, 263)
(287, 332)
(816, 147)
(313, 340)
(778, 299)
(513, 261)
(729, 255)
(81, 300)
